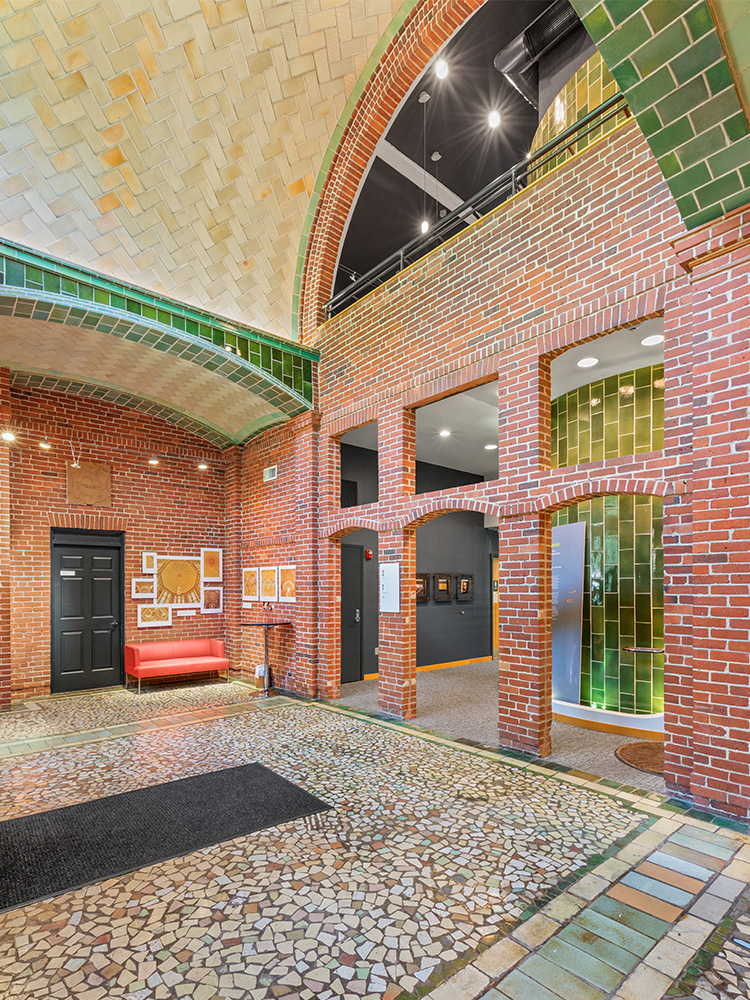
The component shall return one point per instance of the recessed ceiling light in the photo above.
(653, 340)
(45, 444)
(153, 461)
(587, 362)
(445, 434)
(490, 447)
(202, 466)
(441, 69)
(8, 436)
(494, 119)
(425, 225)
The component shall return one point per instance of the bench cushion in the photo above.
(178, 665)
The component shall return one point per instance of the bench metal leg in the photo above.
(139, 685)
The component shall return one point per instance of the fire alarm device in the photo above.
(368, 553)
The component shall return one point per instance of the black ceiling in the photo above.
(390, 208)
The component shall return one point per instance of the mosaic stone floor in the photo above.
(75, 713)
(427, 852)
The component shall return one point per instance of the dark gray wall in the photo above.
(453, 543)
(368, 540)
(361, 465)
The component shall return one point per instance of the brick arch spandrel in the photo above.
(426, 28)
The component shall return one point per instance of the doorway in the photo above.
(352, 594)
(87, 609)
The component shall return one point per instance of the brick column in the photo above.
(396, 450)
(397, 636)
(233, 556)
(5, 569)
(525, 684)
(329, 619)
(717, 258)
(306, 554)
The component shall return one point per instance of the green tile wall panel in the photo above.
(668, 61)
(623, 601)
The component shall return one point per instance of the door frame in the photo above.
(95, 538)
(362, 613)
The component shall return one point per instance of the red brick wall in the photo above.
(172, 509)
(585, 251)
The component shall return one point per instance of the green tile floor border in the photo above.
(50, 289)
(667, 58)
(703, 959)
(368, 70)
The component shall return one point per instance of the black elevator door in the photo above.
(86, 603)
(352, 563)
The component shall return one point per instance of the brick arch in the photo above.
(429, 510)
(335, 533)
(425, 29)
(566, 496)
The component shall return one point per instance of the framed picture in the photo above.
(141, 587)
(423, 587)
(269, 583)
(442, 582)
(178, 581)
(212, 599)
(211, 565)
(288, 584)
(149, 562)
(464, 587)
(154, 616)
(250, 586)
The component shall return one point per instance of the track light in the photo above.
(441, 69)
(153, 460)
(202, 466)
(45, 444)
(493, 119)
(8, 436)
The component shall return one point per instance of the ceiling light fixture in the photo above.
(153, 460)
(441, 69)
(445, 434)
(45, 444)
(425, 225)
(228, 347)
(8, 436)
(494, 119)
(653, 340)
(202, 466)
(490, 447)
(587, 362)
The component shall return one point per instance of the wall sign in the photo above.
(90, 483)
(390, 587)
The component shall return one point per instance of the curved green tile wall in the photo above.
(623, 600)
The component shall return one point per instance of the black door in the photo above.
(87, 610)
(352, 565)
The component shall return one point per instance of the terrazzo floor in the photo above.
(462, 701)
(432, 853)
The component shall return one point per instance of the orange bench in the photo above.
(181, 656)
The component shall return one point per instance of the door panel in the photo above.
(352, 612)
(86, 605)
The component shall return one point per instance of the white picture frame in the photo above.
(215, 554)
(147, 610)
(250, 584)
(143, 588)
(212, 589)
(148, 564)
(269, 584)
(288, 584)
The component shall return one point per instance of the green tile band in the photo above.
(279, 371)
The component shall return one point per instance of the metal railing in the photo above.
(493, 194)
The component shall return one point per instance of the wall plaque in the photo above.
(90, 483)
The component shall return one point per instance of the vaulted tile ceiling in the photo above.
(174, 144)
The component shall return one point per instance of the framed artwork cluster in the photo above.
(269, 583)
(184, 584)
(443, 587)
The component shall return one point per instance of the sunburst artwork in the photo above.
(178, 581)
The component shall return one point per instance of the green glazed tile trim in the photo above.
(204, 338)
(668, 60)
(359, 87)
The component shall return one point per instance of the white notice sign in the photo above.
(390, 587)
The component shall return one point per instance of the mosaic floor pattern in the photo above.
(428, 850)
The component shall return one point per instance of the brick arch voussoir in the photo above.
(335, 532)
(576, 493)
(426, 28)
(423, 513)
